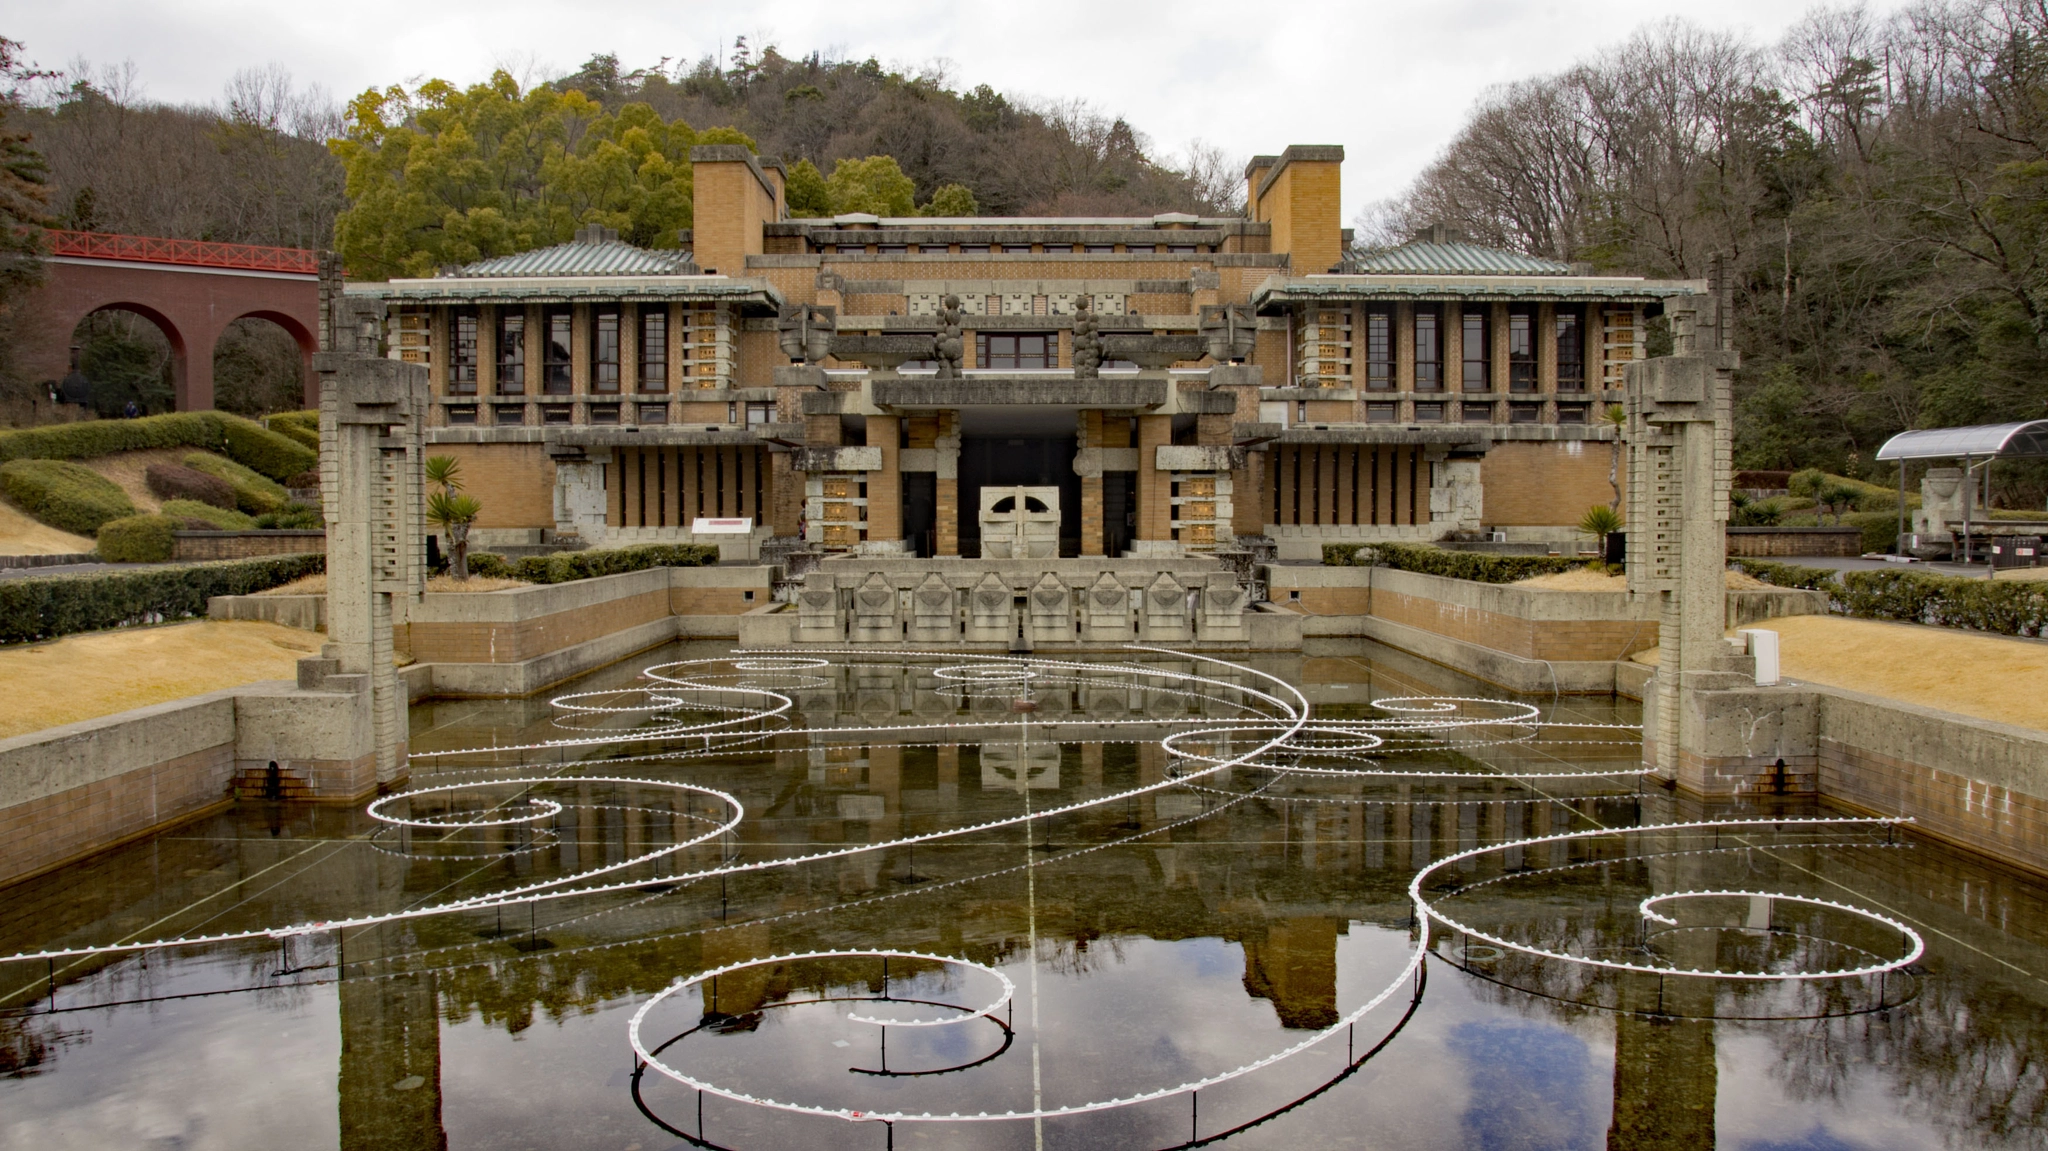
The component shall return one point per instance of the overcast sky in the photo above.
(1391, 82)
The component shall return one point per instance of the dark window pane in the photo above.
(1571, 351)
(604, 352)
(654, 348)
(508, 415)
(1429, 351)
(511, 352)
(462, 414)
(1380, 413)
(462, 355)
(1476, 414)
(604, 413)
(1478, 373)
(1571, 413)
(653, 413)
(556, 414)
(1521, 350)
(1429, 413)
(1525, 413)
(1379, 350)
(555, 379)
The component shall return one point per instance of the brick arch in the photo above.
(308, 340)
(191, 303)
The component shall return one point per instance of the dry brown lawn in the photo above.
(84, 676)
(1988, 676)
(128, 468)
(22, 535)
(1586, 579)
(317, 585)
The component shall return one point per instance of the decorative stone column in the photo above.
(934, 618)
(989, 618)
(1051, 614)
(1165, 618)
(1456, 499)
(372, 483)
(580, 500)
(874, 611)
(1222, 609)
(1679, 470)
(1106, 611)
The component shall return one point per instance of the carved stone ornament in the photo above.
(1087, 342)
(951, 342)
(804, 332)
(933, 592)
(1231, 331)
(876, 594)
(1165, 592)
(991, 594)
(1050, 592)
(1108, 593)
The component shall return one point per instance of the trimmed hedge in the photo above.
(64, 495)
(217, 519)
(178, 482)
(142, 539)
(1788, 575)
(253, 493)
(275, 455)
(563, 567)
(303, 427)
(36, 608)
(295, 516)
(1481, 567)
(2004, 607)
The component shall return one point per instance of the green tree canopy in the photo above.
(806, 192)
(875, 185)
(951, 200)
(441, 175)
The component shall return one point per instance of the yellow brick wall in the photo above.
(514, 482)
(1539, 484)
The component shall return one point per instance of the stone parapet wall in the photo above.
(1762, 542)
(191, 546)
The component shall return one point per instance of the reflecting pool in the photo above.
(1133, 899)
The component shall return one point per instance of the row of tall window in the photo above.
(1476, 349)
(557, 331)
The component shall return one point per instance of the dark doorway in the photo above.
(921, 513)
(1119, 511)
(1005, 461)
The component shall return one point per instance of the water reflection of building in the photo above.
(1294, 964)
(1665, 1084)
(391, 1064)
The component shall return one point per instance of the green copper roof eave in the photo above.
(1452, 258)
(583, 258)
(543, 289)
(1344, 288)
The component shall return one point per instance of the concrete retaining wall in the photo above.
(69, 791)
(1971, 782)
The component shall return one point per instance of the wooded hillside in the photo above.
(1880, 187)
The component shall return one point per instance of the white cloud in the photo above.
(1390, 82)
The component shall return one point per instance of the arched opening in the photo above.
(131, 358)
(260, 365)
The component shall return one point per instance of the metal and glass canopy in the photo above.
(1985, 441)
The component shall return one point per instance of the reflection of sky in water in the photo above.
(1531, 1086)
(1167, 958)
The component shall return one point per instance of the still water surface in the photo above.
(1150, 932)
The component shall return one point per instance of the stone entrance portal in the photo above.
(1019, 461)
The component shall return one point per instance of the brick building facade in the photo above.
(1182, 381)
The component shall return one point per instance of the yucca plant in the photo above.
(452, 511)
(1600, 522)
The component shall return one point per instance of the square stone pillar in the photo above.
(934, 614)
(990, 617)
(874, 611)
(946, 509)
(372, 464)
(885, 489)
(1050, 611)
(1165, 616)
(1155, 526)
